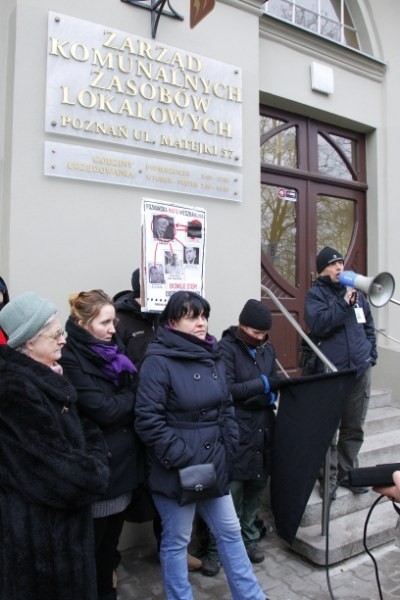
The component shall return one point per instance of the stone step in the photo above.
(380, 398)
(382, 419)
(377, 449)
(380, 448)
(346, 503)
(345, 537)
(349, 511)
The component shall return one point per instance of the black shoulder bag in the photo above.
(199, 482)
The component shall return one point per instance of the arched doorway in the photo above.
(313, 194)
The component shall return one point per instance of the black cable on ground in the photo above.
(378, 583)
(331, 495)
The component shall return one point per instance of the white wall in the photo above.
(68, 235)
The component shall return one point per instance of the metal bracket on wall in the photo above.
(157, 9)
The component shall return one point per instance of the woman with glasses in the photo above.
(104, 378)
(53, 463)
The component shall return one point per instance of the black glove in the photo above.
(260, 401)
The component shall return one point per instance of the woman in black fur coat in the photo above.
(53, 464)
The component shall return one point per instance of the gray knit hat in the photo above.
(24, 316)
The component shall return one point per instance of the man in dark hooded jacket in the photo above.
(340, 320)
(136, 328)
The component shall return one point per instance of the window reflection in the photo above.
(281, 149)
(347, 146)
(267, 124)
(329, 18)
(279, 229)
(335, 222)
(330, 162)
(306, 18)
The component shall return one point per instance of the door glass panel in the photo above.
(281, 149)
(347, 146)
(268, 124)
(330, 162)
(279, 229)
(335, 222)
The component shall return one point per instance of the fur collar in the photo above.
(17, 368)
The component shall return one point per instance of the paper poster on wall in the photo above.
(173, 251)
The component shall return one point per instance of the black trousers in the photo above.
(106, 534)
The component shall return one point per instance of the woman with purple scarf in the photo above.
(105, 379)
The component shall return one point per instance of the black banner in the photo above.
(308, 416)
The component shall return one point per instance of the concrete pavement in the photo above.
(284, 575)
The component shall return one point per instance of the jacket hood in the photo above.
(173, 345)
(231, 335)
(126, 303)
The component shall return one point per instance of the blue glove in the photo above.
(272, 399)
(267, 387)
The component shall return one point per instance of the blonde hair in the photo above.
(85, 306)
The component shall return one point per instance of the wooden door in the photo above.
(311, 197)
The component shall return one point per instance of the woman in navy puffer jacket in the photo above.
(184, 416)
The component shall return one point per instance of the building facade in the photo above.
(180, 118)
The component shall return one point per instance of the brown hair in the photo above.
(85, 306)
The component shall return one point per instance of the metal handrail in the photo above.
(330, 366)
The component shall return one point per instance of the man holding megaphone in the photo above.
(340, 321)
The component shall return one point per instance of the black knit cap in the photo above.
(256, 315)
(326, 257)
(135, 282)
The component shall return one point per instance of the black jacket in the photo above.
(135, 328)
(53, 467)
(184, 412)
(108, 405)
(254, 416)
(6, 297)
(333, 324)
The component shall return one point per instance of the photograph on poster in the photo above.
(194, 229)
(191, 255)
(173, 251)
(173, 264)
(163, 227)
(156, 273)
